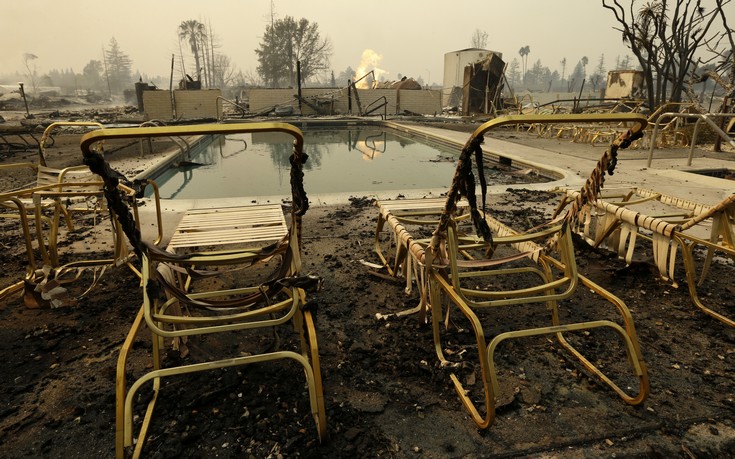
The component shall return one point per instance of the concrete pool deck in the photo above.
(571, 162)
(669, 172)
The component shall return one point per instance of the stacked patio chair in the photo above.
(228, 269)
(619, 221)
(477, 268)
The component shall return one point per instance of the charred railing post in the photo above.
(25, 101)
(298, 82)
(349, 97)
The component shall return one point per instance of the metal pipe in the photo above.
(600, 99)
(349, 97)
(298, 77)
(23, 95)
(241, 108)
(693, 142)
(171, 86)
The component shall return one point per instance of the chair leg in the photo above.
(123, 419)
(53, 236)
(401, 251)
(687, 252)
(487, 365)
(435, 300)
(627, 334)
(124, 400)
(489, 383)
(304, 323)
(38, 221)
(378, 249)
(436, 313)
(120, 386)
(638, 369)
(67, 216)
(320, 416)
(157, 374)
(138, 451)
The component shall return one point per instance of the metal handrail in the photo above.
(667, 106)
(598, 99)
(183, 130)
(384, 106)
(243, 109)
(700, 117)
(184, 149)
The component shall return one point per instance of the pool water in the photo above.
(354, 160)
(723, 173)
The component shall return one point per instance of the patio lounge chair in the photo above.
(669, 223)
(398, 221)
(226, 270)
(50, 178)
(457, 262)
(62, 192)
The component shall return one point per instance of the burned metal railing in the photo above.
(706, 117)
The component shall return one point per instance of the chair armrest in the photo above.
(508, 239)
(81, 168)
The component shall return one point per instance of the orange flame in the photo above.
(370, 60)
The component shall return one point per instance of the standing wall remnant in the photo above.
(188, 104)
(483, 82)
(455, 63)
(625, 84)
(423, 101)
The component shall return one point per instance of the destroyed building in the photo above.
(473, 80)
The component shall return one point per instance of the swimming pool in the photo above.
(360, 160)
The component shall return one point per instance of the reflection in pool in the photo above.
(356, 160)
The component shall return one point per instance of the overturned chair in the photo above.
(212, 281)
(620, 220)
(457, 264)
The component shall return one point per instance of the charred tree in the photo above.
(665, 37)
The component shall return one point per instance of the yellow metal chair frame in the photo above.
(8, 201)
(393, 218)
(619, 225)
(58, 190)
(73, 176)
(54, 197)
(275, 301)
(163, 323)
(550, 289)
(445, 276)
(722, 240)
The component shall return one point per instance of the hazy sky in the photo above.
(412, 36)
